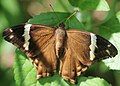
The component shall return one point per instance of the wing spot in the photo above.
(79, 68)
(11, 30)
(48, 74)
(72, 81)
(39, 76)
(11, 36)
(109, 45)
(108, 52)
(78, 73)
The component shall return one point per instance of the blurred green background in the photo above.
(14, 12)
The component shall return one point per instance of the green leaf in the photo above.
(110, 26)
(12, 7)
(13, 11)
(62, 6)
(103, 6)
(49, 18)
(74, 23)
(74, 2)
(118, 16)
(24, 72)
(91, 81)
(3, 22)
(113, 63)
(85, 4)
(55, 18)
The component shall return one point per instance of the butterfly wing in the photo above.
(76, 58)
(37, 42)
(81, 49)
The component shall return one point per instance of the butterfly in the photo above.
(70, 52)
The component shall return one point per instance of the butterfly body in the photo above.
(69, 51)
(60, 36)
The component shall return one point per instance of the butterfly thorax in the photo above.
(60, 35)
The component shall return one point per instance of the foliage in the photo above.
(55, 18)
(10, 14)
(108, 27)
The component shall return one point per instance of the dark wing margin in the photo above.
(14, 35)
(104, 49)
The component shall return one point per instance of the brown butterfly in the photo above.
(69, 51)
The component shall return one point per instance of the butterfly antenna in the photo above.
(54, 12)
(71, 15)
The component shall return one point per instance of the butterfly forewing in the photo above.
(38, 43)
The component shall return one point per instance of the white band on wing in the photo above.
(93, 45)
(27, 36)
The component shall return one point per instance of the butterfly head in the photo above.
(62, 25)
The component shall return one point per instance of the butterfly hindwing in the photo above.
(44, 39)
(71, 67)
(76, 58)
